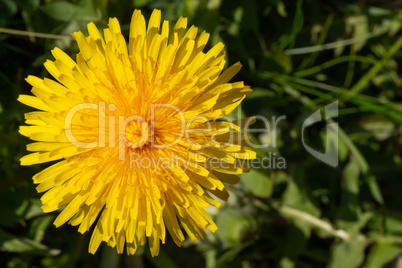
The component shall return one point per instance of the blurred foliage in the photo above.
(298, 56)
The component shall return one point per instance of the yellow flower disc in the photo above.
(134, 130)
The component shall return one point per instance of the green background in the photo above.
(298, 56)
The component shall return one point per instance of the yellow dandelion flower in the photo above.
(135, 130)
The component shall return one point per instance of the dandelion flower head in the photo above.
(135, 132)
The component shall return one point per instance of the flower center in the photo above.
(137, 133)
